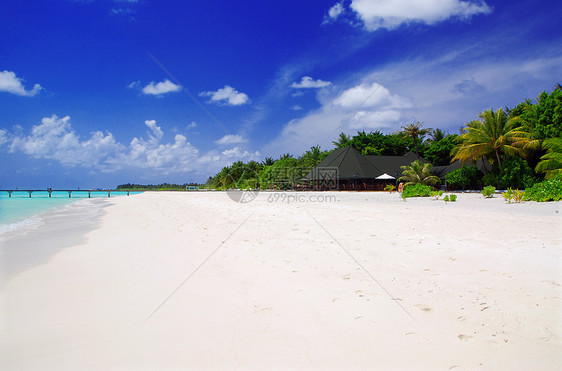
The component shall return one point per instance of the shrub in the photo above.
(548, 190)
(453, 198)
(489, 191)
(518, 195)
(436, 194)
(516, 174)
(390, 187)
(446, 198)
(465, 177)
(416, 190)
(508, 195)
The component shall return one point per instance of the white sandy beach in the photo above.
(175, 281)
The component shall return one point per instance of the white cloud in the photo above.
(391, 14)
(156, 130)
(160, 88)
(365, 106)
(239, 154)
(335, 11)
(227, 95)
(55, 139)
(231, 139)
(191, 125)
(370, 96)
(134, 85)
(3, 136)
(296, 107)
(10, 83)
(308, 83)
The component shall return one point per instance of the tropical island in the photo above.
(510, 149)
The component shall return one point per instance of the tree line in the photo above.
(521, 145)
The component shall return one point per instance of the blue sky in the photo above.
(103, 92)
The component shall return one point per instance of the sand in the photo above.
(176, 281)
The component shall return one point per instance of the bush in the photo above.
(489, 191)
(548, 190)
(453, 198)
(390, 187)
(416, 190)
(465, 177)
(516, 174)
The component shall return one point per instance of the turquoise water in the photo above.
(20, 206)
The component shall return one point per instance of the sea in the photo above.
(32, 229)
(20, 209)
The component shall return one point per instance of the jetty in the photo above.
(69, 191)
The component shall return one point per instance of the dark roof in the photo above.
(441, 171)
(391, 164)
(350, 164)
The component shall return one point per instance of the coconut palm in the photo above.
(343, 141)
(436, 135)
(419, 172)
(493, 136)
(551, 162)
(414, 131)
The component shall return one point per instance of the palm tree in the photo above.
(343, 141)
(558, 86)
(436, 135)
(311, 158)
(268, 161)
(551, 162)
(492, 137)
(419, 172)
(414, 131)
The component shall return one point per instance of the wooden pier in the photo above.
(50, 191)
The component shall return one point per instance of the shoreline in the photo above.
(34, 240)
(173, 280)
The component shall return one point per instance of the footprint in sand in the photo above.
(418, 336)
(464, 337)
(424, 308)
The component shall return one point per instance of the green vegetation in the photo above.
(159, 187)
(467, 177)
(416, 190)
(419, 172)
(548, 190)
(489, 191)
(450, 198)
(390, 187)
(436, 194)
(551, 162)
(415, 132)
(519, 146)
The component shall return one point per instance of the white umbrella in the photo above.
(385, 176)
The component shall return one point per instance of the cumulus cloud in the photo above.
(227, 95)
(10, 83)
(55, 139)
(365, 106)
(231, 139)
(308, 83)
(391, 14)
(238, 153)
(160, 88)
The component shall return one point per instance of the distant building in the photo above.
(345, 169)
